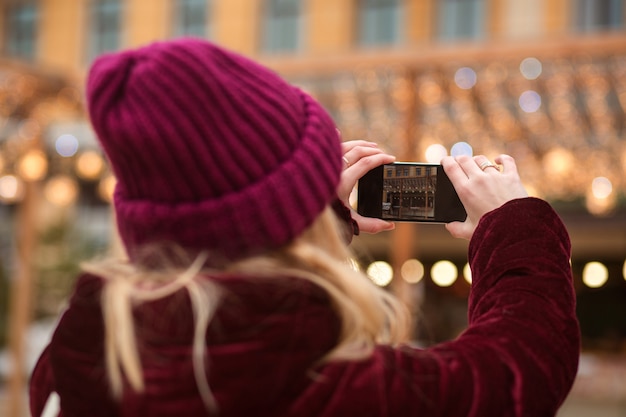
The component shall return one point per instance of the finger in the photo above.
(469, 165)
(458, 230)
(352, 156)
(364, 164)
(485, 165)
(372, 225)
(349, 145)
(352, 174)
(507, 162)
(453, 170)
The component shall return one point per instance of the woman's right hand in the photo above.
(482, 187)
(359, 157)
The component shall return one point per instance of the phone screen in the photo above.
(409, 192)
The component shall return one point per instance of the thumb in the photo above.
(460, 229)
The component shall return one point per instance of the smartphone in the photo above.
(409, 192)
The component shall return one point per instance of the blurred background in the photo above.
(542, 80)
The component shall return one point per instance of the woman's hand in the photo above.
(359, 157)
(482, 187)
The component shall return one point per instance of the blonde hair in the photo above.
(369, 315)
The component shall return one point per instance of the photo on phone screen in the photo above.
(410, 192)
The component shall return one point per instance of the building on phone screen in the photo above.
(409, 192)
(544, 81)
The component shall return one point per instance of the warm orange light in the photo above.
(11, 189)
(467, 273)
(558, 162)
(595, 274)
(61, 191)
(33, 166)
(412, 271)
(444, 273)
(380, 272)
(89, 165)
(106, 188)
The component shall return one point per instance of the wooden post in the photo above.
(403, 236)
(402, 241)
(20, 311)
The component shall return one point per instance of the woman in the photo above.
(237, 297)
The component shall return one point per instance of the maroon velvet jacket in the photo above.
(518, 356)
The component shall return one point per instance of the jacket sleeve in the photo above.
(522, 308)
(519, 354)
(41, 384)
(75, 355)
(344, 214)
(517, 357)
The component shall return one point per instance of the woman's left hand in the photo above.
(359, 157)
(482, 187)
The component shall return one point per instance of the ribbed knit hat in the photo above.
(210, 149)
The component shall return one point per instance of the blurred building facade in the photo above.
(544, 81)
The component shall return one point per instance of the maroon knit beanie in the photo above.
(210, 149)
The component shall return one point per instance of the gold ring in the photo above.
(488, 164)
(346, 161)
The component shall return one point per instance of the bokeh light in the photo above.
(106, 188)
(412, 271)
(33, 166)
(61, 190)
(467, 273)
(461, 148)
(380, 272)
(530, 68)
(600, 199)
(435, 153)
(465, 78)
(530, 101)
(66, 145)
(601, 187)
(444, 273)
(558, 162)
(11, 189)
(595, 274)
(89, 165)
